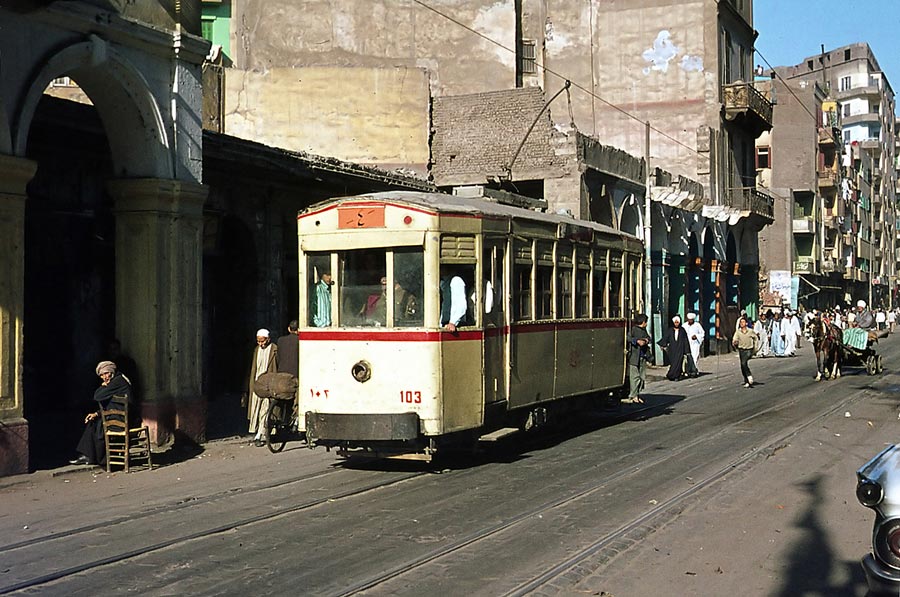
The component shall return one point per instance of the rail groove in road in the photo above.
(566, 565)
(487, 532)
(62, 573)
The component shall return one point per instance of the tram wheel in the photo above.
(276, 432)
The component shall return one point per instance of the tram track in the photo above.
(644, 461)
(207, 532)
(618, 477)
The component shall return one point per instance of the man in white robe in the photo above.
(790, 337)
(695, 334)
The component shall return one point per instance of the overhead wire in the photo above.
(560, 76)
(578, 85)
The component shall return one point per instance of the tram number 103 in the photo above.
(410, 397)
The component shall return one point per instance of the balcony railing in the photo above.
(744, 100)
(827, 178)
(805, 266)
(832, 266)
(749, 199)
(803, 226)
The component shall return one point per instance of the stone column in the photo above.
(159, 254)
(14, 175)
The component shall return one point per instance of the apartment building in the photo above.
(865, 101)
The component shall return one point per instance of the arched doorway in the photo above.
(630, 220)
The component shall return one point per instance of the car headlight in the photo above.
(869, 493)
(887, 542)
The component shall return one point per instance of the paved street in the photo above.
(709, 489)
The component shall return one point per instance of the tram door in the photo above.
(494, 317)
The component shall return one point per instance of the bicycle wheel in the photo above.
(276, 432)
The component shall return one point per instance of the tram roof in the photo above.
(445, 203)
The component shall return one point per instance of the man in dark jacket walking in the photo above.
(638, 343)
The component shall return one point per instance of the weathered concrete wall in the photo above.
(653, 59)
(369, 115)
(381, 33)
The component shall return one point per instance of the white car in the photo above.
(878, 487)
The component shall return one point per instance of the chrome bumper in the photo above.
(882, 580)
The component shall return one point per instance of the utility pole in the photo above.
(648, 263)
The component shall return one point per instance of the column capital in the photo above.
(15, 172)
(160, 195)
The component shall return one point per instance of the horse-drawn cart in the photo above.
(859, 350)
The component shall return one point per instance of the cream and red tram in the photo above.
(546, 303)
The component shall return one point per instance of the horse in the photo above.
(827, 340)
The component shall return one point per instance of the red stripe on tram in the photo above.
(333, 335)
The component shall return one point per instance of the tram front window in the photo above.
(366, 288)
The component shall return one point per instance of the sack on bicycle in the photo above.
(280, 386)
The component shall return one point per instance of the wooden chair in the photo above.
(124, 444)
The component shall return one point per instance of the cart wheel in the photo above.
(870, 365)
(276, 431)
(878, 366)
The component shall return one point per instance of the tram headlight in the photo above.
(361, 371)
(869, 493)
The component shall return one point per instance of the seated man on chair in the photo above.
(92, 446)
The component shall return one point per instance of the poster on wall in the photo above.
(781, 285)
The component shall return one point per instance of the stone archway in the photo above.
(150, 192)
(138, 136)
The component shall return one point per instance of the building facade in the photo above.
(304, 77)
(865, 102)
(139, 64)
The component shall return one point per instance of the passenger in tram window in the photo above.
(406, 305)
(374, 310)
(322, 311)
(454, 305)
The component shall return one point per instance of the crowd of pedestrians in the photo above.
(776, 333)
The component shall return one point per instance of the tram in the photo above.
(547, 301)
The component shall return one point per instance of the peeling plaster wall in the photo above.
(367, 115)
(656, 59)
(381, 33)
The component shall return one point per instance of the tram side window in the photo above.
(565, 293)
(582, 292)
(319, 286)
(408, 287)
(615, 292)
(522, 299)
(544, 281)
(363, 285)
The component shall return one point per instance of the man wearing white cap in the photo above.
(675, 343)
(864, 317)
(695, 334)
(265, 360)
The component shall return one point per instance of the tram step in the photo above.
(498, 434)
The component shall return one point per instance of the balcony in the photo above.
(835, 266)
(870, 143)
(752, 202)
(827, 135)
(864, 118)
(746, 105)
(827, 179)
(804, 226)
(805, 265)
(866, 91)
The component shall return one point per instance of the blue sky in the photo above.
(790, 30)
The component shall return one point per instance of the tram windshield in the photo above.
(368, 281)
